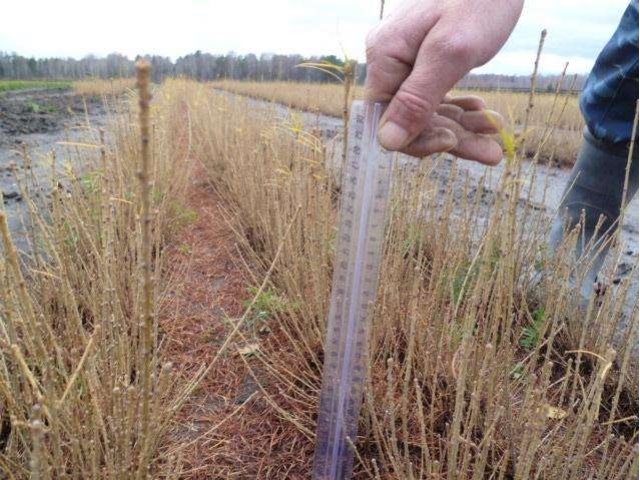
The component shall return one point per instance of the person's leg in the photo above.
(593, 196)
(593, 201)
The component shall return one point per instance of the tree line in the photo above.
(198, 65)
(206, 66)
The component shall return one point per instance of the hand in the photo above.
(417, 55)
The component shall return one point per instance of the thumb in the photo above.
(439, 65)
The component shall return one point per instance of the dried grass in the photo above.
(103, 87)
(476, 370)
(560, 147)
(83, 390)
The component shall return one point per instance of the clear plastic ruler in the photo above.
(365, 195)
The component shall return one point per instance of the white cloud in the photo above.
(576, 32)
(577, 28)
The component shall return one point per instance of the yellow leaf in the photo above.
(282, 171)
(555, 413)
(249, 349)
(79, 144)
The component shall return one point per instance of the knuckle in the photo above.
(386, 42)
(374, 44)
(414, 108)
(371, 40)
(458, 48)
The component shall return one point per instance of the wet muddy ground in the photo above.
(26, 112)
(34, 124)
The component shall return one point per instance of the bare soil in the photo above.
(41, 111)
(33, 125)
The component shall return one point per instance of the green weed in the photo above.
(183, 215)
(9, 85)
(532, 333)
(266, 307)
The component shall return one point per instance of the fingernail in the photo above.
(438, 140)
(392, 136)
(449, 141)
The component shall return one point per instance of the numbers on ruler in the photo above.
(339, 412)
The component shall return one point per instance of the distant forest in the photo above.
(205, 66)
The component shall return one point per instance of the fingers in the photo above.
(392, 48)
(414, 71)
(434, 140)
(421, 51)
(384, 76)
(440, 63)
(479, 148)
(478, 121)
(468, 144)
(466, 102)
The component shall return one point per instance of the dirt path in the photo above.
(227, 430)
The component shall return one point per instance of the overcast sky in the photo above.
(577, 29)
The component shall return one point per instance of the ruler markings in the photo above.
(361, 233)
